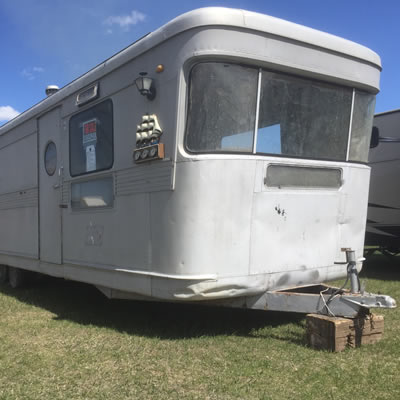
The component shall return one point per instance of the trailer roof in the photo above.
(265, 23)
(210, 16)
(387, 112)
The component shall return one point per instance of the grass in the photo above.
(64, 340)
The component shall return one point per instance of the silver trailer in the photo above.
(221, 158)
(383, 223)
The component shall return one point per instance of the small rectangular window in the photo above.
(303, 177)
(91, 139)
(93, 193)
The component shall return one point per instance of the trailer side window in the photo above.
(91, 139)
(93, 193)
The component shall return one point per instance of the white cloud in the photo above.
(31, 73)
(27, 74)
(124, 21)
(7, 113)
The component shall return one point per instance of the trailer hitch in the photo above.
(323, 299)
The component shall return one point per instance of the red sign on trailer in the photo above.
(89, 131)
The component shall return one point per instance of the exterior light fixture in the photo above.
(145, 86)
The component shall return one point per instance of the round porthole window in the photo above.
(50, 158)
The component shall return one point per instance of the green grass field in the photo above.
(64, 340)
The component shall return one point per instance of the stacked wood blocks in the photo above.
(336, 333)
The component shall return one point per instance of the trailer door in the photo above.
(50, 180)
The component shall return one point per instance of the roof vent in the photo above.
(51, 89)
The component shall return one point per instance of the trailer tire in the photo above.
(16, 277)
(3, 273)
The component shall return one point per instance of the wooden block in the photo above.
(366, 330)
(328, 333)
(360, 341)
(336, 333)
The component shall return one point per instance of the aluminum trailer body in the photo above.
(243, 169)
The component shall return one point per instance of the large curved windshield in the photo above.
(297, 117)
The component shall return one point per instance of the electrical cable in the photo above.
(326, 305)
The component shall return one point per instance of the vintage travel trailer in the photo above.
(221, 158)
(383, 223)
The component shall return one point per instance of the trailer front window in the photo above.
(222, 108)
(297, 117)
(361, 130)
(303, 118)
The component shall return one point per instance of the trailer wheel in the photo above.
(3, 274)
(16, 277)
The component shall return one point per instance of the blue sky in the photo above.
(55, 41)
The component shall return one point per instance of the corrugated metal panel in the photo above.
(19, 199)
(144, 178)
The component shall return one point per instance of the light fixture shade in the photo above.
(147, 83)
(145, 86)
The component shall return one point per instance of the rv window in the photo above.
(303, 118)
(363, 115)
(297, 117)
(303, 177)
(93, 193)
(50, 158)
(91, 139)
(222, 108)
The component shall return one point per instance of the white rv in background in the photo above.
(219, 158)
(383, 224)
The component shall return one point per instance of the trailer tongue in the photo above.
(327, 300)
(321, 298)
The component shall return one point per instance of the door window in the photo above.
(50, 158)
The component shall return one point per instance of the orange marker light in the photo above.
(160, 68)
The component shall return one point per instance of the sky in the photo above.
(46, 42)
